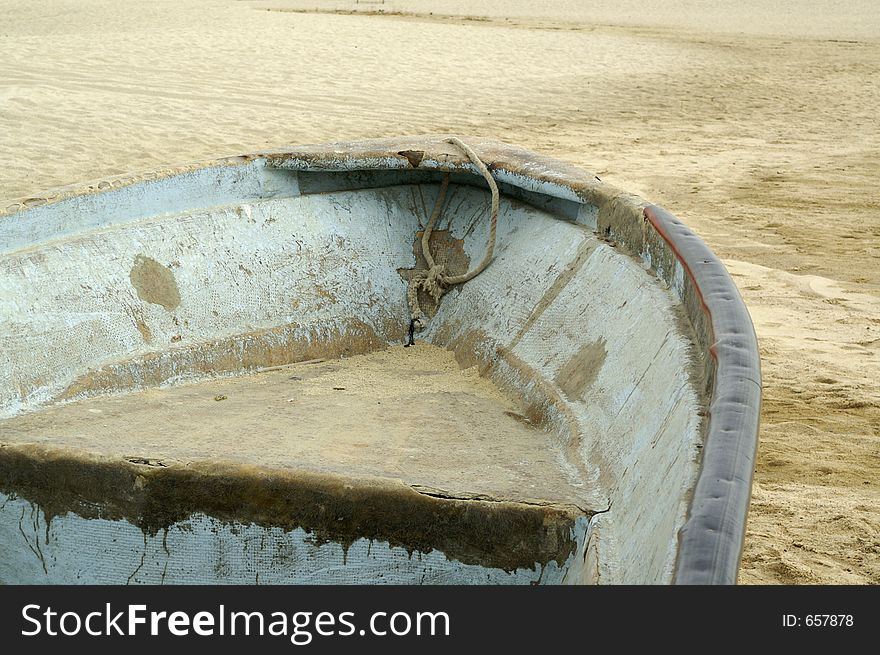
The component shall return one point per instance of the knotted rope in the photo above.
(434, 281)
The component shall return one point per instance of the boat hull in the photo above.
(614, 330)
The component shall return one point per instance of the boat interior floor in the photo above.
(408, 414)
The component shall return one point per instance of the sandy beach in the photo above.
(756, 123)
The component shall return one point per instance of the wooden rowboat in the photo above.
(203, 377)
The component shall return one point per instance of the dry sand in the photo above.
(756, 123)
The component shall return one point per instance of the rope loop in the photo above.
(434, 281)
